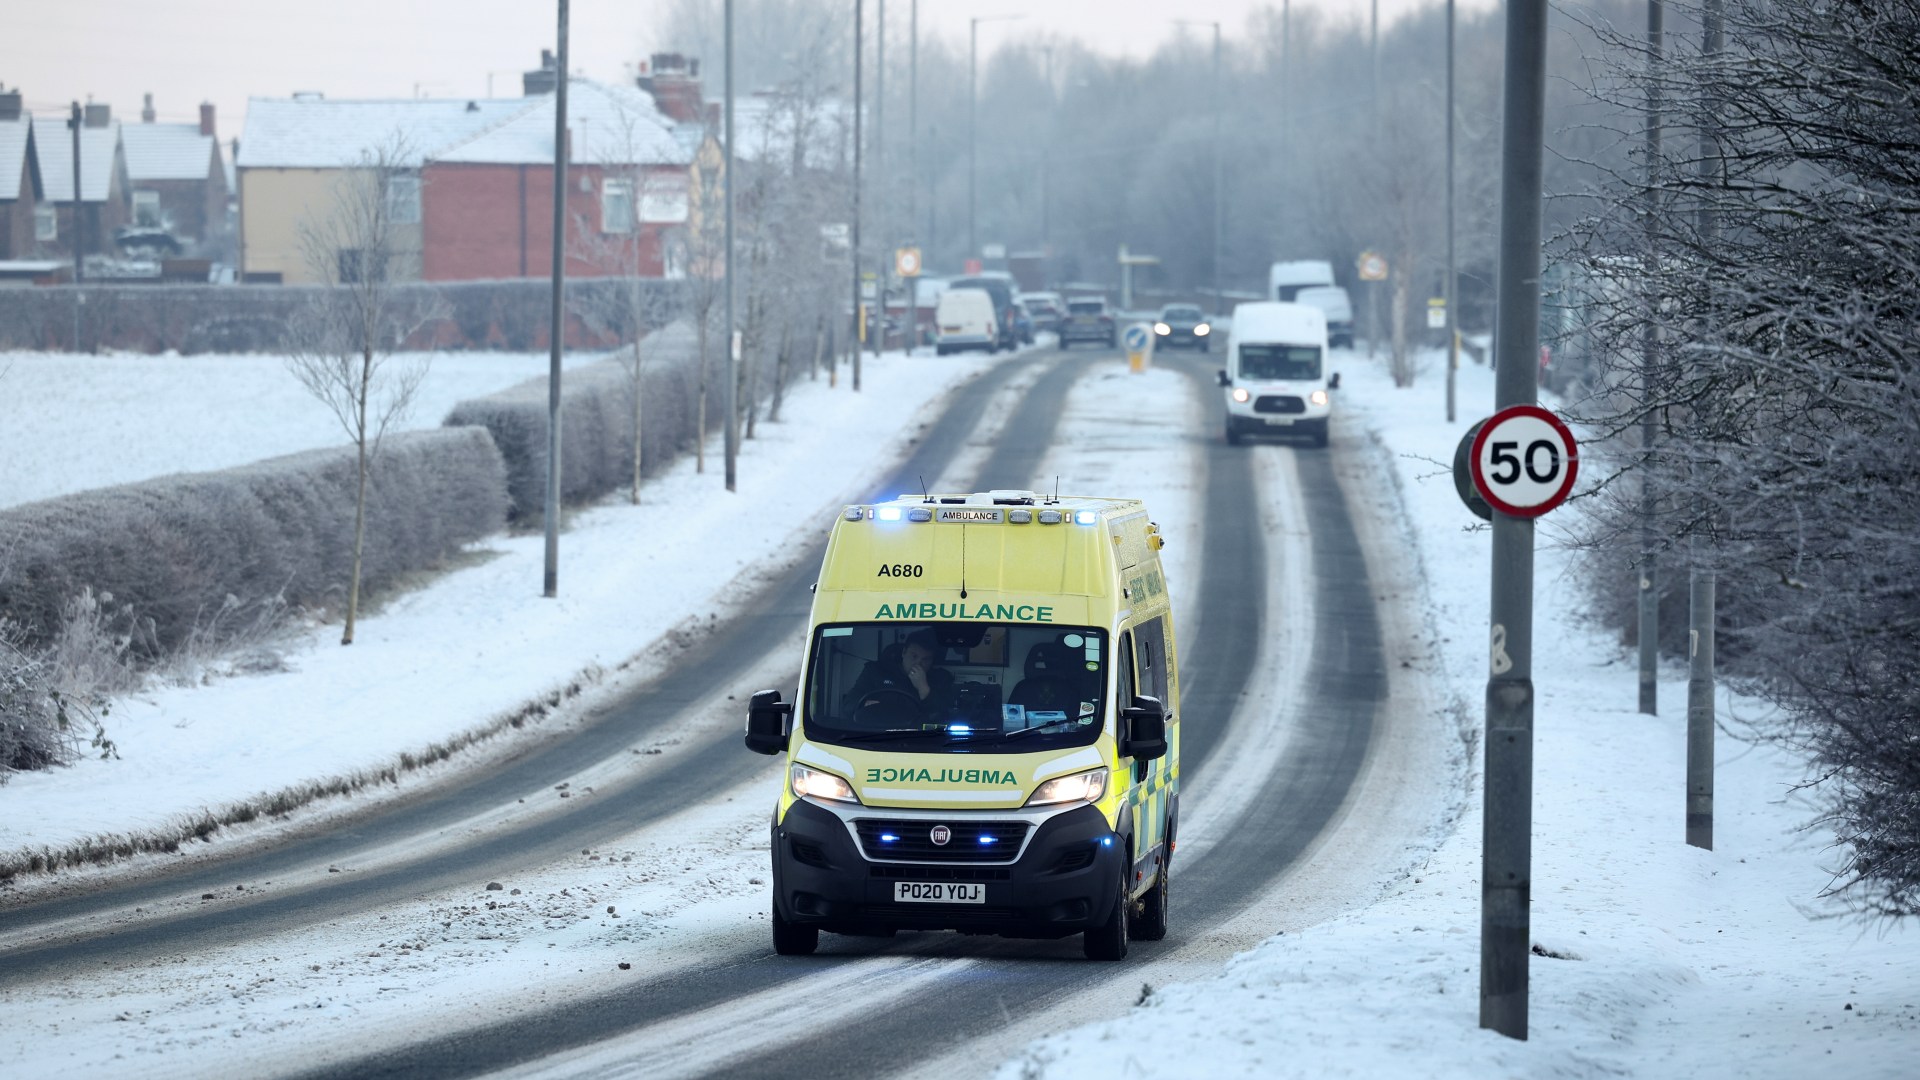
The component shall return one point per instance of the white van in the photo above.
(1337, 306)
(1276, 378)
(1286, 279)
(963, 319)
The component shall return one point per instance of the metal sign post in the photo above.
(1506, 858)
(1138, 338)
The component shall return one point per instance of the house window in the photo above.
(46, 226)
(664, 202)
(403, 199)
(616, 206)
(146, 208)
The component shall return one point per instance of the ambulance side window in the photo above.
(1151, 638)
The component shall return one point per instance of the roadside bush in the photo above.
(596, 422)
(176, 556)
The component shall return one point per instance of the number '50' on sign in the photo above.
(1524, 461)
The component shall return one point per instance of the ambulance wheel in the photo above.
(1108, 941)
(1320, 435)
(1233, 432)
(1151, 922)
(792, 939)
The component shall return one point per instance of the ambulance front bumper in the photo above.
(1062, 879)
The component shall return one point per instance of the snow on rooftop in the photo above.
(53, 144)
(14, 136)
(167, 151)
(314, 133)
(609, 124)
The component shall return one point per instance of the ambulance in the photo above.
(986, 737)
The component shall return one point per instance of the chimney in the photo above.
(99, 115)
(10, 105)
(545, 79)
(206, 118)
(675, 87)
(146, 111)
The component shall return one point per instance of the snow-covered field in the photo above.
(1664, 959)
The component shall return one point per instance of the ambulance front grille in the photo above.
(967, 842)
(1279, 403)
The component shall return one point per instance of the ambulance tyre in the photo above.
(1233, 432)
(792, 939)
(1108, 941)
(1150, 924)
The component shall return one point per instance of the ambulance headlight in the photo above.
(1202, 330)
(887, 513)
(1240, 395)
(1318, 397)
(1162, 329)
(1088, 786)
(821, 785)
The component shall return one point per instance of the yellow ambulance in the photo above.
(987, 734)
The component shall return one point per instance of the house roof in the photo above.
(167, 151)
(15, 137)
(771, 123)
(99, 150)
(313, 133)
(610, 124)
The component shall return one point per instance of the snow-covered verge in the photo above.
(629, 576)
(1651, 958)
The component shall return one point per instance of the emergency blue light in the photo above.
(1086, 517)
(919, 513)
(1106, 841)
(888, 513)
(888, 838)
(989, 839)
(960, 729)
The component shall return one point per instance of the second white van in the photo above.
(964, 319)
(1276, 379)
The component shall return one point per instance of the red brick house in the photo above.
(19, 179)
(487, 206)
(103, 181)
(178, 180)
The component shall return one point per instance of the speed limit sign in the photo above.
(1524, 461)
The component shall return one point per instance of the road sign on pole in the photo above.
(906, 262)
(1372, 266)
(1524, 461)
(1437, 313)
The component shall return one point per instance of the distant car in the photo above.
(999, 286)
(1047, 309)
(1182, 326)
(965, 319)
(1089, 319)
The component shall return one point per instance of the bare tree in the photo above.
(702, 243)
(346, 336)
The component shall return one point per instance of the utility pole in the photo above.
(75, 121)
(556, 327)
(1700, 584)
(884, 261)
(859, 311)
(1506, 857)
(1046, 172)
(1452, 282)
(973, 120)
(913, 142)
(729, 397)
(1648, 578)
(1219, 215)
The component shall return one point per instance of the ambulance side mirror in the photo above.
(767, 719)
(1224, 381)
(1334, 382)
(1146, 722)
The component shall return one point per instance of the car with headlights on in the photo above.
(1182, 326)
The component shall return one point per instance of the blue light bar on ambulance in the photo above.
(919, 513)
(887, 513)
(888, 838)
(1049, 517)
(1086, 517)
(989, 840)
(1019, 517)
(854, 513)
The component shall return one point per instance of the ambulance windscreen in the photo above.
(956, 687)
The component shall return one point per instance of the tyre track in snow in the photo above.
(289, 885)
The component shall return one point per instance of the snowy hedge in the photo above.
(178, 551)
(596, 422)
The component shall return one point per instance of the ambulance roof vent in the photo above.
(1013, 498)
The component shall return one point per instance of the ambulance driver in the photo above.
(905, 673)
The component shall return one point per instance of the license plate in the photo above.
(1280, 421)
(939, 892)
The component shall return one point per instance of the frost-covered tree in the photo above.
(346, 336)
(1781, 287)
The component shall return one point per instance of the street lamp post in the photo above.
(973, 124)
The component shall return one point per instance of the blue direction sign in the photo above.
(1136, 337)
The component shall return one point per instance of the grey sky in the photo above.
(188, 51)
